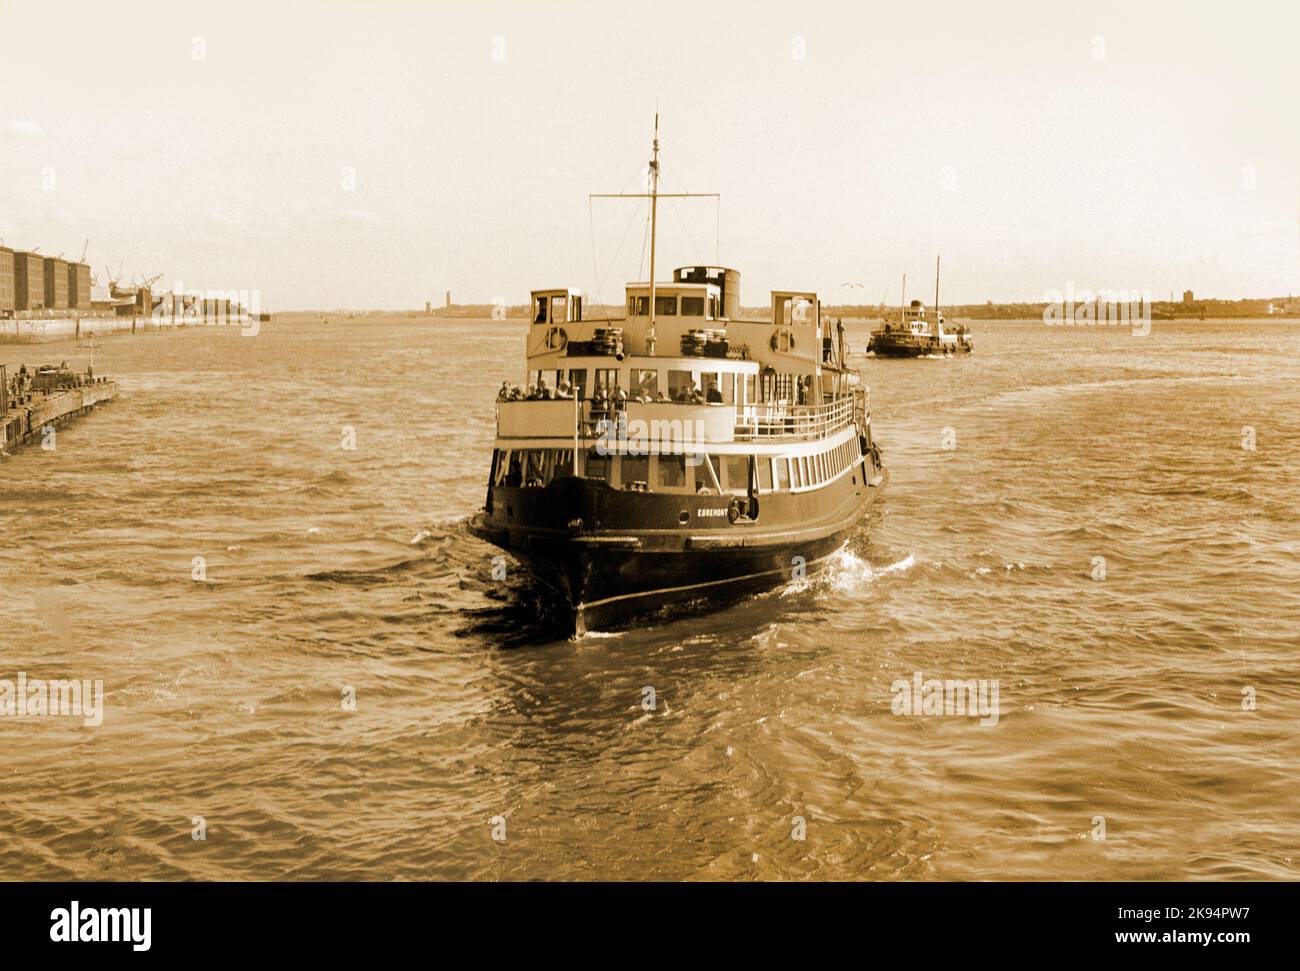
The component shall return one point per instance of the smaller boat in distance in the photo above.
(910, 334)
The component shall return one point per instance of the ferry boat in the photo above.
(680, 456)
(910, 334)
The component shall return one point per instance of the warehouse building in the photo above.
(78, 286)
(29, 281)
(6, 281)
(56, 283)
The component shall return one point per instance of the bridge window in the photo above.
(706, 475)
(563, 464)
(709, 382)
(638, 306)
(607, 378)
(735, 469)
(645, 381)
(713, 307)
(514, 471)
(666, 306)
(670, 472)
(680, 384)
(534, 467)
(559, 307)
(539, 315)
(634, 470)
(793, 310)
(692, 306)
(783, 387)
(596, 465)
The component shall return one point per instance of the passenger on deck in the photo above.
(714, 396)
(695, 397)
(661, 397)
(620, 398)
(542, 390)
(504, 393)
(565, 390)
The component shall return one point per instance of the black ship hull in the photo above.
(908, 345)
(616, 556)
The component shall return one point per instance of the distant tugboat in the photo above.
(630, 480)
(911, 335)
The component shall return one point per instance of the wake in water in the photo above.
(846, 572)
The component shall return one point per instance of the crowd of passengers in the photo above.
(604, 398)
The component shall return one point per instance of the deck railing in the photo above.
(800, 422)
(766, 422)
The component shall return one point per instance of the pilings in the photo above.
(24, 423)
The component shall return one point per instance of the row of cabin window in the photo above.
(558, 310)
(793, 310)
(535, 468)
(774, 387)
(667, 306)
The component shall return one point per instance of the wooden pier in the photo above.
(23, 421)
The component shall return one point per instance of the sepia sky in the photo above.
(375, 154)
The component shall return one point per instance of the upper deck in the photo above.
(792, 337)
(672, 426)
(693, 364)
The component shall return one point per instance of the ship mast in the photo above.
(937, 331)
(654, 195)
(654, 208)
